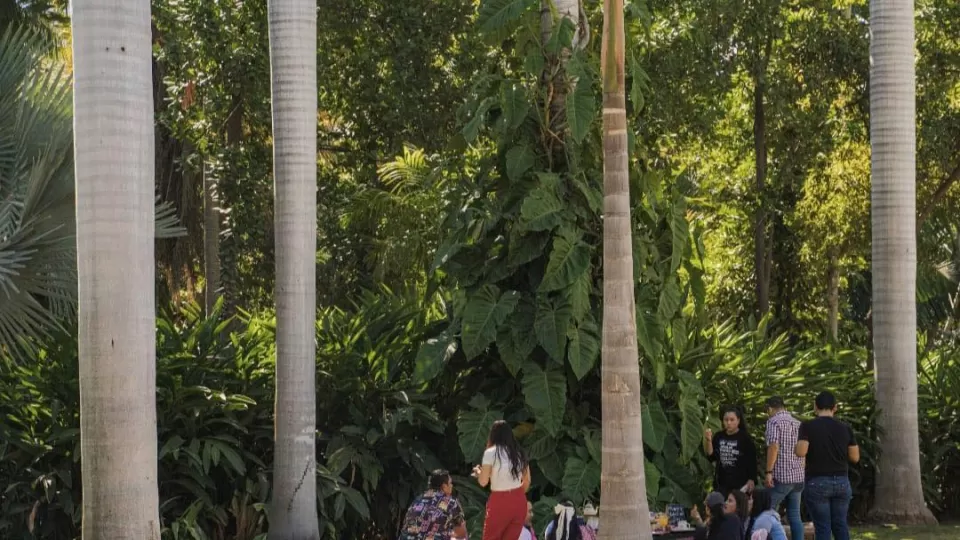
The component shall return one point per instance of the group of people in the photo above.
(437, 515)
(803, 459)
(808, 460)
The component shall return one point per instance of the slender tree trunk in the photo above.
(623, 498)
(760, 258)
(293, 42)
(899, 493)
(833, 296)
(211, 238)
(114, 149)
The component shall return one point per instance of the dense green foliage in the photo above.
(459, 163)
(384, 430)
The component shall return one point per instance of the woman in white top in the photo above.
(506, 469)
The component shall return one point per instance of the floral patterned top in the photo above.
(433, 516)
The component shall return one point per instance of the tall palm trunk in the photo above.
(623, 498)
(899, 495)
(211, 238)
(114, 139)
(293, 42)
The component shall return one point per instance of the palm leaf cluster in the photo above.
(38, 278)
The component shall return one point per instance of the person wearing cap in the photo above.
(785, 471)
(829, 446)
(722, 522)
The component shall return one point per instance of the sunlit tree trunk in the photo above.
(623, 498)
(293, 66)
(833, 295)
(114, 146)
(899, 494)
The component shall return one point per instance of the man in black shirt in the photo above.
(828, 446)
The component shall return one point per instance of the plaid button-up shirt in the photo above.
(782, 430)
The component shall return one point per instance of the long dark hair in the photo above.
(761, 503)
(502, 437)
(743, 505)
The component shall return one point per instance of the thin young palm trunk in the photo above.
(623, 499)
(899, 493)
(293, 42)
(114, 148)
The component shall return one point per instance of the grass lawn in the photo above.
(943, 532)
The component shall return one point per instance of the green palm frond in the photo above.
(38, 278)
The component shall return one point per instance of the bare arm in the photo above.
(801, 449)
(460, 531)
(772, 452)
(708, 442)
(853, 454)
(484, 477)
(525, 482)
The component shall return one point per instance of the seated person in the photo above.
(435, 515)
(764, 521)
(567, 525)
(723, 523)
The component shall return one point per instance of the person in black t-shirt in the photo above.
(829, 446)
(735, 454)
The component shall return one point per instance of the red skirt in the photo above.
(506, 512)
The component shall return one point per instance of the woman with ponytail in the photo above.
(506, 470)
(567, 525)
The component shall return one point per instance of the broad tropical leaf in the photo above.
(580, 479)
(553, 321)
(515, 339)
(584, 347)
(545, 393)
(473, 427)
(519, 160)
(581, 108)
(495, 15)
(656, 426)
(569, 259)
(541, 210)
(433, 355)
(485, 311)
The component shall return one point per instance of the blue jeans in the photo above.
(828, 500)
(790, 493)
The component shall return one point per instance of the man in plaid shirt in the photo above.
(784, 475)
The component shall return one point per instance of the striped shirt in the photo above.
(782, 430)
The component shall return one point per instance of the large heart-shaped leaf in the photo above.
(473, 427)
(514, 104)
(553, 321)
(581, 108)
(541, 210)
(656, 427)
(525, 247)
(552, 468)
(580, 479)
(691, 424)
(679, 233)
(515, 339)
(494, 15)
(569, 259)
(584, 347)
(540, 443)
(485, 311)
(519, 160)
(578, 295)
(433, 355)
(545, 393)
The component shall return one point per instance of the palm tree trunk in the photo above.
(899, 493)
(114, 148)
(293, 42)
(623, 498)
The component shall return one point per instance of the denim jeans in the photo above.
(790, 493)
(828, 500)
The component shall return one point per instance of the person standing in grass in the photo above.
(829, 446)
(784, 477)
(735, 453)
(506, 470)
